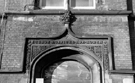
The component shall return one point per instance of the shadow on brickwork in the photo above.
(131, 20)
(132, 40)
(112, 49)
(129, 5)
(131, 31)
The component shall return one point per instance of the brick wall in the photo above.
(113, 26)
(2, 5)
(115, 4)
(19, 28)
(13, 5)
(18, 5)
(14, 78)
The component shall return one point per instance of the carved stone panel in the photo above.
(100, 47)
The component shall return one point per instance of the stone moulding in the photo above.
(62, 53)
(100, 47)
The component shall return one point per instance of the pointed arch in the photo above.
(83, 56)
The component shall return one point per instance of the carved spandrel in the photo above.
(98, 50)
(99, 47)
(33, 50)
(37, 49)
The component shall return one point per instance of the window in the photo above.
(83, 4)
(52, 4)
(62, 4)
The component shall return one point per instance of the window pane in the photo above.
(81, 3)
(68, 72)
(91, 3)
(54, 3)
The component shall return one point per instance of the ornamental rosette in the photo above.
(67, 18)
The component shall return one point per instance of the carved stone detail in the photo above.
(37, 49)
(33, 50)
(105, 56)
(67, 18)
(99, 47)
(97, 50)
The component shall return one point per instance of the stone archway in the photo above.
(86, 58)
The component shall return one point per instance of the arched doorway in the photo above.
(67, 71)
(66, 65)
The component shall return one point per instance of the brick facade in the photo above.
(113, 26)
(16, 28)
(18, 5)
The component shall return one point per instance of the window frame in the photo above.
(89, 7)
(66, 5)
(53, 7)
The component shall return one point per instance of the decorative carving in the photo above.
(97, 46)
(33, 50)
(80, 42)
(37, 49)
(67, 18)
(106, 57)
(97, 50)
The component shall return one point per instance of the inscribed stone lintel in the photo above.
(100, 47)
